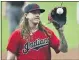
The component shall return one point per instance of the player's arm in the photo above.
(13, 45)
(63, 43)
(59, 20)
(10, 55)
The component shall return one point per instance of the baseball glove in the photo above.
(58, 20)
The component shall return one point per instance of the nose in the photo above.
(38, 15)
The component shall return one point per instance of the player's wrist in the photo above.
(60, 29)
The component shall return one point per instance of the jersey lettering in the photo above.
(36, 45)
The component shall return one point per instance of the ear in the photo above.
(25, 14)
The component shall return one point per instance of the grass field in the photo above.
(0, 31)
(71, 29)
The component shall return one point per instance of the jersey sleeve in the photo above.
(13, 42)
(54, 42)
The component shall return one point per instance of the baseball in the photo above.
(60, 11)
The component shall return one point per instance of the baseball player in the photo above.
(32, 40)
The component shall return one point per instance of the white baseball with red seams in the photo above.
(59, 11)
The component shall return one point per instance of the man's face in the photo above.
(34, 16)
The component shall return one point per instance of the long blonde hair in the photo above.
(25, 29)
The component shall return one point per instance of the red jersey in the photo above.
(37, 49)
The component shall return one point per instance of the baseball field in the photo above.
(71, 29)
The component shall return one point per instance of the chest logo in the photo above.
(36, 45)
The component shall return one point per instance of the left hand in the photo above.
(56, 25)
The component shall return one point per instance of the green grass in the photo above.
(0, 27)
(71, 29)
(5, 33)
